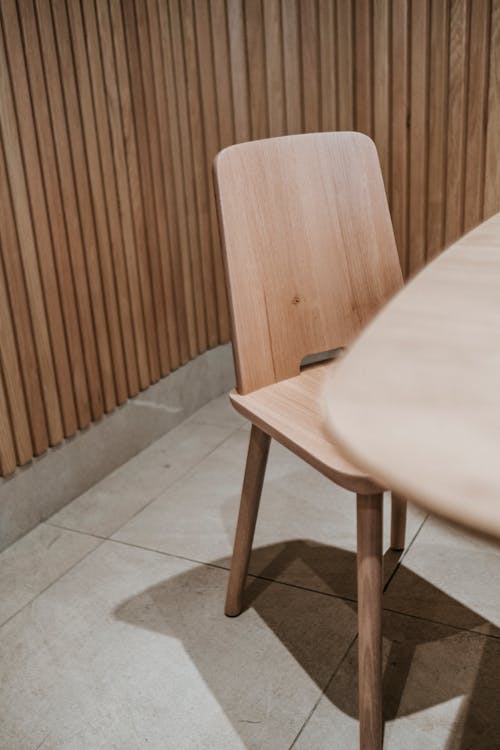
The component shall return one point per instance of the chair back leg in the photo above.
(258, 449)
(398, 521)
(369, 528)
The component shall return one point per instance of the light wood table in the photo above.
(415, 403)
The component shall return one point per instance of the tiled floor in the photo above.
(113, 635)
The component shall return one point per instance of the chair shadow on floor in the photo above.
(426, 663)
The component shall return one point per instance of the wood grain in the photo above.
(293, 209)
(28, 251)
(417, 199)
(370, 573)
(87, 26)
(400, 122)
(258, 449)
(492, 164)
(74, 245)
(290, 411)
(434, 366)
(437, 129)
(304, 275)
(22, 380)
(55, 208)
(15, 411)
(112, 112)
(456, 135)
(7, 449)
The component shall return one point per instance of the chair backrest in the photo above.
(309, 248)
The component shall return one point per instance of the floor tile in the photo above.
(131, 650)
(451, 577)
(306, 530)
(35, 561)
(440, 692)
(113, 501)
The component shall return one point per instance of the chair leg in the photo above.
(258, 449)
(369, 521)
(398, 521)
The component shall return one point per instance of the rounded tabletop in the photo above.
(415, 402)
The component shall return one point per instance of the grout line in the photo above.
(226, 568)
(304, 588)
(324, 691)
(460, 628)
(222, 567)
(351, 600)
(405, 552)
(46, 588)
(249, 575)
(75, 531)
(182, 476)
(263, 578)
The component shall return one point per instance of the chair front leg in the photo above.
(369, 531)
(258, 449)
(398, 521)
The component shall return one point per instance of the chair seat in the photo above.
(290, 412)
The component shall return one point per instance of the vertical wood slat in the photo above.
(345, 65)
(187, 167)
(194, 109)
(291, 64)
(478, 56)
(27, 248)
(111, 113)
(381, 86)
(153, 139)
(87, 25)
(173, 281)
(492, 165)
(275, 89)
(8, 458)
(113, 34)
(256, 61)
(145, 184)
(77, 141)
(95, 207)
(38, 92)
(399, 125)
(42, 262)
(12, 382)
(98, 16)
(194, 102)
(327, 47)
(224, 109)
(364, 88)
(27, 376)
(66, 175)
(238, 67)
(211, 141)
(417, 197)
(310, 59)
(456, 131)
(436, 154)
(178, 192)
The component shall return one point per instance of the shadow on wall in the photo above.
(426, 664)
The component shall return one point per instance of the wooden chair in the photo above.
(310, 256)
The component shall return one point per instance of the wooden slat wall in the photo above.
(111, 112)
